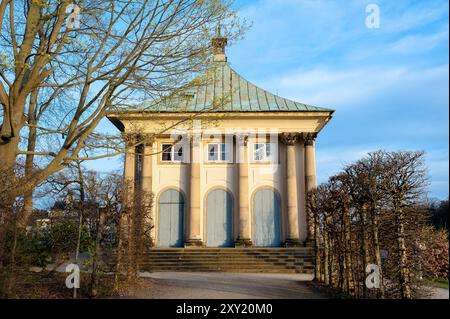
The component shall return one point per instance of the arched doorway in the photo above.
(266, 206)
(218, 219)
(170, 219)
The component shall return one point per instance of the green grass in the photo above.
(440, 283)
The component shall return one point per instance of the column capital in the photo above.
(138, 138)
(309, 137)
(147, 139)
(130, 138)
(289, 138)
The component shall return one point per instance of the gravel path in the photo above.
(438, 293)
(179, 285)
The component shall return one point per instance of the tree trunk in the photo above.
(326, 250)
(131, 271)
(343, 268)
(8, 151)
(405, 289)
(11, 125)
(12, 265)
(29, 160)
(317, 272)
(97, 253)
(347, 254)
(332, 260)
(121, 230)
(365, 247)
(377, 251)
(3, 229)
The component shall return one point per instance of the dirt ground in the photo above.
(179, 285)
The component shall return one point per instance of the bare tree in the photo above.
(405, 188)
(122, 52)
(372, 212)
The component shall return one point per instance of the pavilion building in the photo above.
(228, 163)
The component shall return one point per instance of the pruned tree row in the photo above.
(371, 220)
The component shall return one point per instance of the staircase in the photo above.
(273, 260)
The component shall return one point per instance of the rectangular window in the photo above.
(264, 152)
(167, 152)
(218, 152)
(172, 153)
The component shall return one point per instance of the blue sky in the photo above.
(389, 86)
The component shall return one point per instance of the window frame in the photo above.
(222, 149)
(174, 157)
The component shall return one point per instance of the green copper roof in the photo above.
(224, 90)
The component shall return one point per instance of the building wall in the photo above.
(225, 176)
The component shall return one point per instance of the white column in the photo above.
(147, 173)
(126, 222)
(129, 169)
(290, 139)
(194, 238)
(310, 162)
(310, 173)
(242, 156)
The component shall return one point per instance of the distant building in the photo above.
(234, 172)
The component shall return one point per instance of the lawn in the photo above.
(440, 283)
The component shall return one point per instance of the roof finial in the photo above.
(218, 45)
(219, 31)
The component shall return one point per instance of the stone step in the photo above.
(197, 269)
(178, 258)
(223, 256)
(230, 260)
(231, 251)
(301, 271)
(274, 260)
(228, 265)
(225, 259)
(219, 266)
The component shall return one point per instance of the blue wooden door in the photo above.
(170, 219)
(218, 219)
(266, 218)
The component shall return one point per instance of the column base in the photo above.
(193, 243)
(243, 242)
(292, 242)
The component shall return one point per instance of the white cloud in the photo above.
(351, 87)
(400, 16)
(416, 44)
